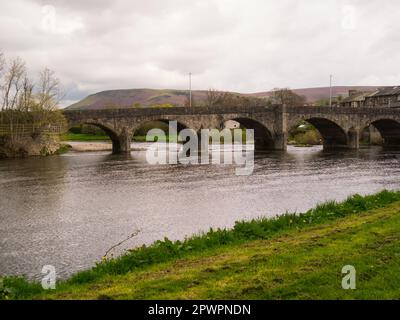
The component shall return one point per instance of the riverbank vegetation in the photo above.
(304, 134)
(292, 256)
(30, 122)
(84, 137)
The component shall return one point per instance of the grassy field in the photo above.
(171, 138)
(289, 257)
(92, 137)
(84, 137)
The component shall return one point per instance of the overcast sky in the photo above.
(244, 46)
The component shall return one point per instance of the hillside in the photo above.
(149, 97)
(315, 94)
(130, 97)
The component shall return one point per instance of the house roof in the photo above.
(389, 91)
(359, 96)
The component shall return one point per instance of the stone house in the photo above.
(384, 97)
(356, 98)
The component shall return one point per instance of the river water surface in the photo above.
(68, 210)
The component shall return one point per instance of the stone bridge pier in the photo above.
(340, 127)
(123, 143)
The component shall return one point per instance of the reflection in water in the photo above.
(68, 210)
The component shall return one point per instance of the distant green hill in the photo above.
(150, 97)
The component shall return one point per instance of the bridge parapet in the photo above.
(129, 112)
(343, 110)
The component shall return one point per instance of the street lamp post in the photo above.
(330, 90)
(190, 89)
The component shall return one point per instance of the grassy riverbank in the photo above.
(288, 257)
(171, 138)
(84, 137)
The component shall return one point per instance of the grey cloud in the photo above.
(229, 45)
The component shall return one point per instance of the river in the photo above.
(67, 210)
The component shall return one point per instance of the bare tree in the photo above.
(25, 107)
(49, 93)
(12, 84)
(2, 66)
(212, 98)
(287, 97)
(221, 99)
(46, 99)
(189, 102)
(2, 63)
(26, 99)
(11, 89)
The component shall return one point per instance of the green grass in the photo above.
(139, 138)
(84, 137)
(93, 137)
(293, 256)
(171, 138)
(64, 148)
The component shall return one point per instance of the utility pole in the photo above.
(190, 89)
(330, 90)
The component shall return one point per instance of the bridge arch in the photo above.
(111, 133)
(142, 125)
(333, 135)
(263, 138)
(389, 130)
(339, 126)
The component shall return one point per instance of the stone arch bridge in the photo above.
(340, 127)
